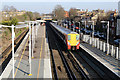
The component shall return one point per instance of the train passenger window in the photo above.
(77, 37)
(69, 37)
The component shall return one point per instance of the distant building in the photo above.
(46, 16)
(80, 12)
(10, 14)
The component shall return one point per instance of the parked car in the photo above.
(100, 35)
(88, 31)
(95, 34)
(103, 37)
(82, 29)
(117, 41)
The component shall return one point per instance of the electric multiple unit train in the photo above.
(72, 39)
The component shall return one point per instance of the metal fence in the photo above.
(101, 45)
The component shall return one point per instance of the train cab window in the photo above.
(69, 37)
(77, 37)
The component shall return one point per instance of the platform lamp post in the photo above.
(92, 32)
(107, 35)
(32, 38)
(13, 36)
(36, 29)
(30, 48)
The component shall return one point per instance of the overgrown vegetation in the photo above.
(14, 21)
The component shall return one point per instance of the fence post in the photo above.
(90, 40)
(103, 46)
(108, 49)
(95, 42)
(98, 43)
(117, 54)
(81, 36)
(85, 38)
(112, 51)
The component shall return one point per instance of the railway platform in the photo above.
(110, 62)
(40, 62)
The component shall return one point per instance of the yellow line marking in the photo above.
(29, 74)
(39, 60)
(21, 58)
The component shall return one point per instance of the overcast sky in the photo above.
(46, 6)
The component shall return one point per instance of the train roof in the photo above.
(63, 30)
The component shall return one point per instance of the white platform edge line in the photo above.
(48, 60)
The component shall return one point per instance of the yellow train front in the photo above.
(72, 39)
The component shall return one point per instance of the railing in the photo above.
(101, 45)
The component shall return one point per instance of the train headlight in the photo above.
(77, 43)
(69, 37)
(77, 37)
(68, 43)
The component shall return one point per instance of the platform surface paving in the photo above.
(40, 64)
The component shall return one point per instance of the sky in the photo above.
(60, 0)
(46, 6)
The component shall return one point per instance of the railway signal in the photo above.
(85, 25)
(92, 32)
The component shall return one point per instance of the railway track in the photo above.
(84, 64)
(73, 70)
(96, 69)
(7, 54)
(65, 67)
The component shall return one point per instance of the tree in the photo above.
(14, 21)
(25, 16)
(5, 8)
(59, 12)
(72, 13)
(30, 15)
(12, 9)
(36, 15)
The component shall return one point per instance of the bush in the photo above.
(14, 21)
(6, 23)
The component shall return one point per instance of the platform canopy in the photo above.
(40, 20)
(55, 21)
(30, 21)
(17, 26)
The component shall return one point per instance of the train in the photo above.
(72, 39)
